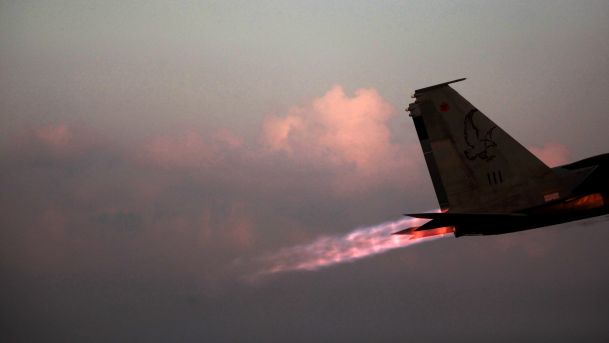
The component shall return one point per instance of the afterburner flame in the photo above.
(360, 243)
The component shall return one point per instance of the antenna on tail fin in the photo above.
(421, 90)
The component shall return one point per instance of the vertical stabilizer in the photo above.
(473, 163)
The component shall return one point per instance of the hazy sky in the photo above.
(152, 152)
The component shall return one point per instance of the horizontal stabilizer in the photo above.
(409, 231)
(437, 215)
(446, 219)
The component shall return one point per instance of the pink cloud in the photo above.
(277, 131)
(237, 227)
(226, 139)
(350, 134)
(229, 226)
(189, 149)
(58, 140)
(241, 233)
(345, 135)
(553, 154)
(57, 136)
(177, 151)
(236, 230)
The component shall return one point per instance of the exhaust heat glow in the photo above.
(362, 242)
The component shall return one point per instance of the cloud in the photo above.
(56, 141)
(67, 189)
(206, 197)
(227, 139)
(337, 140)
(553, 154)
(277, 131)
(184, 150)
(347, 134)
(56, 136)
(240, 227)
(189, 149)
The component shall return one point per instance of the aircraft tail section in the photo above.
(473, 163)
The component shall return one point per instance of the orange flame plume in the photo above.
(362, 242)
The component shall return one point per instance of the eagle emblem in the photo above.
(478, 142)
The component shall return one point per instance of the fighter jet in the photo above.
(486, 182)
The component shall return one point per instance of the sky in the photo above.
(172, 171)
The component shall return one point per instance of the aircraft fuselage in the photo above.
(591, 199)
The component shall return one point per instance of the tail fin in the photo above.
(474, 164)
